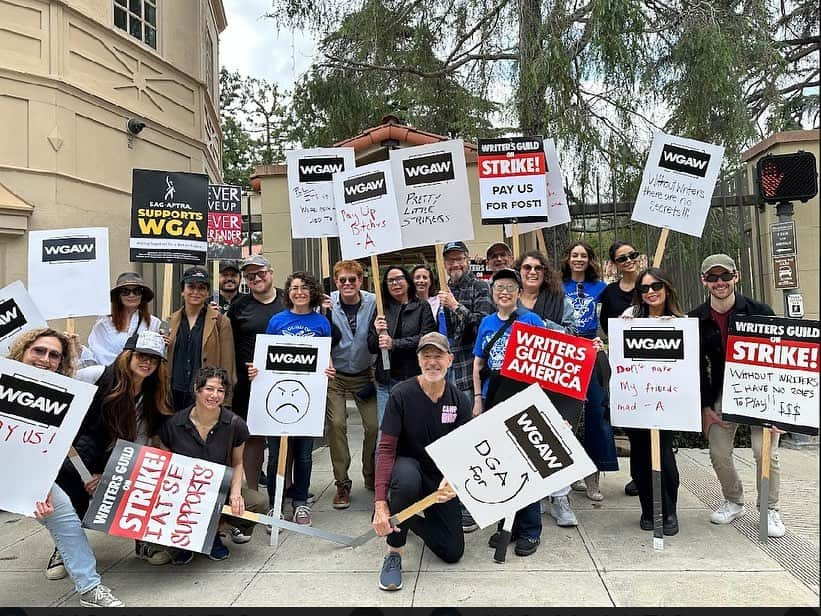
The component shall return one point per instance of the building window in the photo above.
(138, 18)
(209, 64)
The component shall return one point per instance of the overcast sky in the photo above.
(252, 45)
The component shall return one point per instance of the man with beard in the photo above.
(229, 284)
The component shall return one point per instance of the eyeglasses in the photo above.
(498, 255)
(645, 288)
(395, 282)
(249, 276)
(300, 289)
(505, 288)
(146, 357)
(726, 277)
(347, 279)
(126, 291)
(632, 256)
(54, 356)
(532, 268)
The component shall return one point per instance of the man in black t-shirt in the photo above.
(229, 279)
(420, 410)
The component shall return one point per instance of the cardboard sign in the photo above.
(310, 189)
(432, 193)
(655, 380)
(288, 394)
(149, 494)
(169, 217)
(512, 181)
(68, 272)
(772, 372)
(510, 456)
(556, 361)
(18, 314)
(40, 414)
(224, 221)
(677, 184)
(366, 211)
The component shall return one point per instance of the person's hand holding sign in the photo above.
(381, 325)
(447, 299)
(382, 519)
(237, 504)
(444, 492)
(92, 483)
(44, 508)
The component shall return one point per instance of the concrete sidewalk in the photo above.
(606, 561)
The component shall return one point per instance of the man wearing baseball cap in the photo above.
(719, 275)
(229, 283)
(499, 256)
(420, 410)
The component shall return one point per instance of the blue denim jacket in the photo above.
(351, 353)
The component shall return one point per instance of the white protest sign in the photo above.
(17, 314)
(771, 374)
(366, 211)
(432, 193)
(68, 272)
(40, 414)
(655, 374)
(558, 212)
(150, 494)
(310, 189)
(677, 184)
(512, 180)
(288, 394)
(510, 456)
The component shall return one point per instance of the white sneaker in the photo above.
(271, 514)
(562, 512)
(775, 527)
(237, 536)
(727, 513)
(100, 596)
(55, 569)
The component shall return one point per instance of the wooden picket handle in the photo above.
(215, 273)
(515, 232)
(764, 487)
(167, 283)
(541, 245)
(279, 485)
(380, 312)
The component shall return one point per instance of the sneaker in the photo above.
(182, 557)
(390, 578)
(631, 489)
(271, 514)
(670, 525)
(727, 513)
(342, 498)
(151, 553)
(493, 542)
(592, 483)
(55, 569)
(263, 479)
(646, 523)
(218, 550)
(578, 486)
(562, 512)
(468, 523)
(100, 596)
(237, 536)
(525, 546)
(302, 515)
(775, 527)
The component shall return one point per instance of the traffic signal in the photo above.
(787, 177)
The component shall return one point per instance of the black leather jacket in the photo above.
(406, 324)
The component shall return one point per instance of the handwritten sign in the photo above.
(18, 314)
(512, 182)
(40, 414)
(677, 184)
(224, 221)
(655, 374)
(771, 373)
(556, 361)
(68, 273)
(288, 394)
(149, 494)
(512, 455)
(432, 193)
(310, 189)
(366, 211)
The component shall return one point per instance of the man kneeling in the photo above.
(419, 411)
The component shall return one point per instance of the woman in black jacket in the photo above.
(406, 320)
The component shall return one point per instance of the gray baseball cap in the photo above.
(147, 342)
(718, 260)
(256, 260)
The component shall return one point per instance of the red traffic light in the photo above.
(787, 177)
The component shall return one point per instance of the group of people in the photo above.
(184, 385)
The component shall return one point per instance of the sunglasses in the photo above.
(632, 256)
(54, 356)
(126, 291)
(254, 275)
(645, 288)
(726, 277)
(532, 268)
(153, 359)
(347, 279)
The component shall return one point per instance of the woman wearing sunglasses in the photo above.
(543, 293)
(654, 297)
(618, 295)
(129, 315)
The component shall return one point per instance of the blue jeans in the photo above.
(302, 448)
(383, 392)
(71, 541)
(527, 523)
(598, 433)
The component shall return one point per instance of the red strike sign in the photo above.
(506, 166)
(556, 361)
(786, 354)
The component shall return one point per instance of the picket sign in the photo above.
(380, 312)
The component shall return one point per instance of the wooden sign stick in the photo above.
(167, 283)
(325, 258)
(275, 522)
(279, 488)
(380, 312)
(516, 240)
(400, 517)
(764, 488)
(215, 276)
(541, 245)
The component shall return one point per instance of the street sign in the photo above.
(785, 272)
(782, 239)
(795, 305)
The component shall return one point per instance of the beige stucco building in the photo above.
(72, 73)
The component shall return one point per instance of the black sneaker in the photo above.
(390, 578)
(670, 526)
(493, 542)
(630, 489)
(525, 546)
(263, 479)
(646, 523)
(468, 523)
(218, 550)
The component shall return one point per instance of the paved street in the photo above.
(606, 561)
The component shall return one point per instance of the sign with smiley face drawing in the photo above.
(519, 451)
(288, 394)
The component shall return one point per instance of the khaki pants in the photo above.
(255, 502)
(721, 455)
(336, 425)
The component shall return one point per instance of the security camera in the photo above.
(135, 125)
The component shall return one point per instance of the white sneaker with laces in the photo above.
(775, 527)
(55, 569)
(562, 512)
(727, 513)
(100, 596)
(302, 515)
(237, 536)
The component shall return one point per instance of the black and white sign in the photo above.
(17, 314)
(782, 239)
(68, 273)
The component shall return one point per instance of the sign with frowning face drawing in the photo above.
(288, 394)
(510, 456)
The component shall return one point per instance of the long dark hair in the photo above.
(593, 271)
(386, 296)
(615, 246)
(552, 281)
(434, 279)
(671, 304)
(120, 317)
